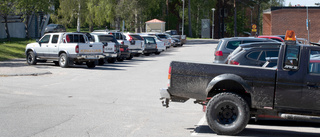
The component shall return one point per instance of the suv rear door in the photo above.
(136, 41)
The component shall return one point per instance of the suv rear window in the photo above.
(233, 44)
(149, 40)
(136, 37)
(162, 36)
(105, 38)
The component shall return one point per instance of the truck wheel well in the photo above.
(230, 86)
(28, 51)
(61, 53)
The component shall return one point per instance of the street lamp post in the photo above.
(213, 23)
(182, 16)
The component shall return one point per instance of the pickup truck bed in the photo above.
(197, 80)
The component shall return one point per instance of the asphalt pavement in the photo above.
(19, 67)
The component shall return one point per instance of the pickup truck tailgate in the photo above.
(91, 49)
(109, 47)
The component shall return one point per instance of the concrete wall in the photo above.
(16, 30)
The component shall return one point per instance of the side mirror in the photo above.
(291, 64)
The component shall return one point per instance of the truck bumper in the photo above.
(89, 57)
(165, 97)
(150, 50)
(136, 51)
(110, 55)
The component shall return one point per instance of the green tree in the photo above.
(71, 11)
(200, 10)
(6, 9)
(28, 7)
(99, 12)
(133, 12)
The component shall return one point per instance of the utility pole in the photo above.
(182, 16)
(235, 18)
(78, 21)
(213, 22)
(307, 22)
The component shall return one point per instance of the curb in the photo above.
(26, 74)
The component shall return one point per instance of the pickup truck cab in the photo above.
(232, 93)
(64, 49)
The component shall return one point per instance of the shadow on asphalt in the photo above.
(203, 41)
(14, 63)
(260, 132)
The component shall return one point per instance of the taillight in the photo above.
(77, 49)
(121, 49)
(234, 62)
(218, 53)
(156, 46)
(169, 76)
(103, 48)
(115, 48)
(130, 38)
(122, 43)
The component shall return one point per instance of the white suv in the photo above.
(136, 45)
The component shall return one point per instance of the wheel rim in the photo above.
(227, 113)
(30, 58)
(63, 60)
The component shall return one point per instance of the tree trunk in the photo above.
(135, 21)
(189, 16)
(6, 27)
(27, 26)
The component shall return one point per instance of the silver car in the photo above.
(227, 45)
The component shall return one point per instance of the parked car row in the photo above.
(98, 47)
(260, 51)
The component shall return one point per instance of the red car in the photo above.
(273, 38)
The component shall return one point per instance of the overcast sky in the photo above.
(302, 2)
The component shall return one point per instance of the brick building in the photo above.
(279, 19)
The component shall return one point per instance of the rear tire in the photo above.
(227, 113)
(101, 62)
(31, 58)
(120, 59)
(63, 60)
(91, 64)
(131, 56)
(111, 60)
(147, 54)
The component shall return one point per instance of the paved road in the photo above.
(115, 100)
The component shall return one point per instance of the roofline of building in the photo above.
(302, 7)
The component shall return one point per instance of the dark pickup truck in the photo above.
(233, 94)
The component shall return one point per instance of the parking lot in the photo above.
(117, 100)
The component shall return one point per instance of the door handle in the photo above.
(90, 45)
(311, 85)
